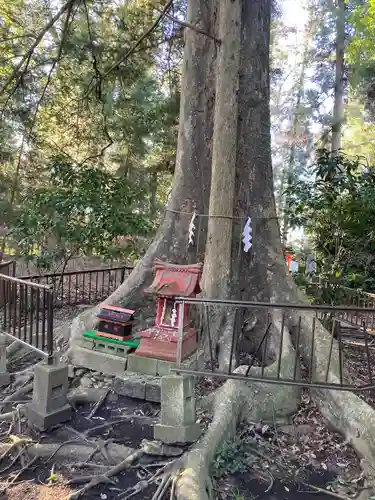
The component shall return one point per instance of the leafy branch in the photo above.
(25, 60)
(145, 35)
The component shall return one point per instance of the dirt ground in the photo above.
(30, 491)
(283, 463)
(257, 468)
(265, 463)
(291, 462)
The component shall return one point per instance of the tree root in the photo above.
(238, 401)
(98, 404)
(23, 469)
(15, 396)
(326, 492)
(344, 411)
(13, 348)
(12, 415)
(147, 448)
(93, 481)
(74, 398)
(65, 451)
(159, 493)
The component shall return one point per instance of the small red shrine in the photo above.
(171, 281)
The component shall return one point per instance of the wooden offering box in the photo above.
(115, 322)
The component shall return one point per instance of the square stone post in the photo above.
(178, 417)
(49, 406)
(4, 375)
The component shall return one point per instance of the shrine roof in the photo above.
(174, 280)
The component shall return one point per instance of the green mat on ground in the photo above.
(91, 334)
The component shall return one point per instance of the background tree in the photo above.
(226, 61)
(337, 209)
(62, 102)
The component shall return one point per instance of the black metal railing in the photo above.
(9, 269)
(351, 297)
(26, 313)
(290, 344)
(82, 287)
(357, 298)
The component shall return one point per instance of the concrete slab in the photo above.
(98, 361)
(171, 434)
(178, 416)
(139, 364)
(134, 385)
(177, 401)
(49, 406)
(194, 362)
(159, 367)
(153, 391)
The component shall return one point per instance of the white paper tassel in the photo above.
(247, 235)
(192, 229)
(174, 315)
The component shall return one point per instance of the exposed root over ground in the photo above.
(85, 456)
(237, 402)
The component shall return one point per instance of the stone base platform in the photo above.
(45, 421)
(160, 367)
(98, 361)
(133, 385)
(140, 385)
(102, 358)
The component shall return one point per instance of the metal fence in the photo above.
(9, 269)
(82, 287)
(26, 313)
(357, 298)
(285, 335)
(344, 296)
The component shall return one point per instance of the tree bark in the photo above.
(338, 109)
(244, 141)
(217, 271)
(266, 277)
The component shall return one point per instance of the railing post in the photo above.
(4, 374)
(180, 333)
(123, 271)
(50, 300)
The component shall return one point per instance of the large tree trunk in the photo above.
(217, 269)
(254, 195)
(191, 183)
(261, 273)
